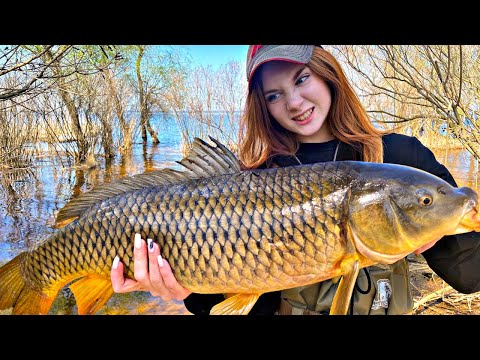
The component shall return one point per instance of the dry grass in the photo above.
(432, 296)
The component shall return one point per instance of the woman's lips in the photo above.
(305, 117)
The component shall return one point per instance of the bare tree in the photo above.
(27, 67)
(154, 66)
(69, 102)
(431, 89)
(230, 92)
(208, 102)
(27, 64)
(36, 69)
(144, 101)
(17, 128)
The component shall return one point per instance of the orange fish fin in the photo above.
(14, 293)
(91, 293)
(64, 222)
(239, 304)
(32, 302)
(341, 299)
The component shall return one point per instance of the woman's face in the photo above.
(298, 99)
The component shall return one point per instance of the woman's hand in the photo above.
(151, 272)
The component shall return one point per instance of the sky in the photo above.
(216, 55)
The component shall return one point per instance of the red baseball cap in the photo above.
(259, 54)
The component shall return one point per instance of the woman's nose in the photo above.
(294, 100)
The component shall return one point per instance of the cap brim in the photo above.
(300, 54)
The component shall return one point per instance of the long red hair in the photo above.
(261, 136)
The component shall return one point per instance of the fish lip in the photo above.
(468, 223)
(375, 255)
(463, 225)
(471, 205)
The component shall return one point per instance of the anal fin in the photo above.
(239, 304)
(91, 293)
(341, 300)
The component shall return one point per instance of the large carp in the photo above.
(224, 230)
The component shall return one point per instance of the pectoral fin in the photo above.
(341, 300)
(91, 293)
(239, 304)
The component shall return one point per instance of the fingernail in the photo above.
(115, 262)
(160, 260)
(138, 241)
(150, 245)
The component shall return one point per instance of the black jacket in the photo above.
(455, 258)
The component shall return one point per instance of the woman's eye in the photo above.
(272, 97)
(302, 79)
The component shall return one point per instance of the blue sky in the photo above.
(216, 54)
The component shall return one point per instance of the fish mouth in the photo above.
(469, 222)
(375, 255)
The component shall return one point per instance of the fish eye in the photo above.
(424, 197)
(425, 200)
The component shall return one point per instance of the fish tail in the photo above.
(16, 294)
(91, 292)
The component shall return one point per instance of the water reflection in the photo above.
(30, 200)
(462, 166)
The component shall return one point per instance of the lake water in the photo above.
(30, 201)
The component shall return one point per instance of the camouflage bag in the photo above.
(379, 290)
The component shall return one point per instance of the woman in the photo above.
(301, 109)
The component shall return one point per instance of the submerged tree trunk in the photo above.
(144, 103)
(107, 138)
(125, 129)
(81, 141)
(152, 132)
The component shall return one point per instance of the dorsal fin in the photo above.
(203, 160)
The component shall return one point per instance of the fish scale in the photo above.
(219, 231)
